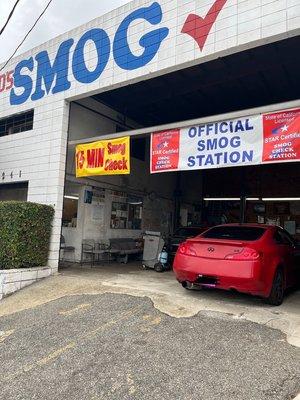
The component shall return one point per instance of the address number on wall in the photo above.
(12, 174)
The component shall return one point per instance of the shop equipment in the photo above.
(155, 255)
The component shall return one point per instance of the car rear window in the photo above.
(188, 232)
(235, 233)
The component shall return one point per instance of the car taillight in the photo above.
(187, 249)
(245, 254)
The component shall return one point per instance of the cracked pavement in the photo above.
(113, 346)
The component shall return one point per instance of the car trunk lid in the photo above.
(216, 249)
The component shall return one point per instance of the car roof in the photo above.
(190, 227)
(249, 225)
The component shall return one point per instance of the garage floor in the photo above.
(118, 332)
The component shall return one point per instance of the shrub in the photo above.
(25, 230)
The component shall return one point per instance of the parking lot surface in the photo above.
(116, 346)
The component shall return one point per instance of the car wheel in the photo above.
(277, 291)
(158, 267)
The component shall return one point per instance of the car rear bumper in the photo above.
(242, 276)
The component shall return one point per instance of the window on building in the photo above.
(119, 215)
(135, 216)
(69, 218)
(16, 123)
(14, 191)
(126, 213)
(70, 208)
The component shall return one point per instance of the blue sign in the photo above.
(53, 77)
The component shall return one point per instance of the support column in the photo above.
(58, 170)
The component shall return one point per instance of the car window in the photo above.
(282, 237)
(246, 233)
(278, 238)
(290, 238)
(186, 232)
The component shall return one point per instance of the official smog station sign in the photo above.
(246, 141)
(106, 157)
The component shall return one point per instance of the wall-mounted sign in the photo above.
(281, 136)
(246, 141)
(106, 157)
(50, 72)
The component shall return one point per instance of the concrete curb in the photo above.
(12, 280)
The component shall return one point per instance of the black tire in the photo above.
(158, 267)
(277, 291)
(187, 285)
(167, 267)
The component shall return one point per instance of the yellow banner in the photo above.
(106, 157)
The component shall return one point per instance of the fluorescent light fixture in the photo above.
(252, 199)
(221, 199)
(281, 199)
(71, 197)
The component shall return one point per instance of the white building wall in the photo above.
(38, 156)
(241, 24)
(40, 153)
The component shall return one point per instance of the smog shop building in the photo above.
(158, 115)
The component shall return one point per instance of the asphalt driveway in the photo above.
(115, 346)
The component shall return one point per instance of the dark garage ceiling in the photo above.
(264, 75)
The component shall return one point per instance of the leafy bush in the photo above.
(25, 230)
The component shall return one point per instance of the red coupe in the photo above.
(258, 259)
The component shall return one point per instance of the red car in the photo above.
(258, 259)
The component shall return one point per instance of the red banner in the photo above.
(281, 136)
(165, 151)
(253, 140)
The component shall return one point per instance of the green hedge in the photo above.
(25, 230)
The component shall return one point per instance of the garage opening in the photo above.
(116, 211)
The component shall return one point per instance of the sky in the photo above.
(61, 16)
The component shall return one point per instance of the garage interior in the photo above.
(127, 206)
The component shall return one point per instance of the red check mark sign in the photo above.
(199, 28)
